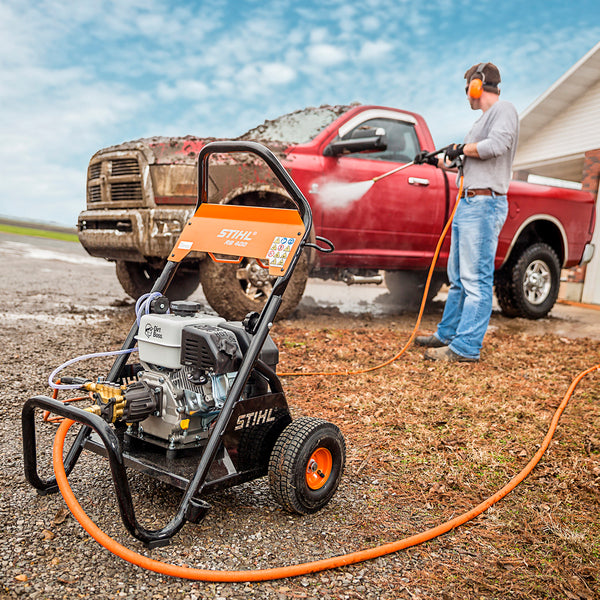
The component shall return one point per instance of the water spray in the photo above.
(338, 194)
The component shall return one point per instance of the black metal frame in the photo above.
(191, 508)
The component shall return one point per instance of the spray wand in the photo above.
(339, 195)
(410, 164)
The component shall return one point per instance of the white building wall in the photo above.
(574, 131)
(591, 285)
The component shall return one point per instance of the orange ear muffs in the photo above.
(475, 88)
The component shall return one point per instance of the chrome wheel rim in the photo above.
(537, 282)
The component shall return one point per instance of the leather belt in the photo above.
(478, 192)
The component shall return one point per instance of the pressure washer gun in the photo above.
(423, 158)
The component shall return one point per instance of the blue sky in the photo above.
(76, 76)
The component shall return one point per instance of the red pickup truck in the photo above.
(140, 193)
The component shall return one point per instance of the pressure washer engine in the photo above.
(188, 361)
(202, 408)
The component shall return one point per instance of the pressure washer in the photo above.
(202, 408)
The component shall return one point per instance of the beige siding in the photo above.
(575, 130)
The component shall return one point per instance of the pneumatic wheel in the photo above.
(527, 286)
(306, 465)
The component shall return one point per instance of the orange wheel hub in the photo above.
(318, 468)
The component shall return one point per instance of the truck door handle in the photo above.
(418, 181)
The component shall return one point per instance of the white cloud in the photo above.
(372, 51)
(187, 89)
(370, 23)
(78, 76)
(326, 55)
(277, 74)
(258, 80)
(43, 190)
(319, 35)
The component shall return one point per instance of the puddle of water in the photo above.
(24, 250)
(47, 319)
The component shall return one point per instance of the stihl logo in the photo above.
(259, 417)
(236, 234)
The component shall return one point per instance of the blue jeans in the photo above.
(475, 231)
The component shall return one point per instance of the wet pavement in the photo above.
(41, 275)
(564, 320)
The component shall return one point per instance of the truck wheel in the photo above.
(306, 465)
(406, 287)
(235, 290)
(138, 278)
(527, 286)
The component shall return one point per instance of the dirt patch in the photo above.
(425, 443)
(435, 440)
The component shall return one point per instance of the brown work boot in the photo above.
(445, 354)
(429, 340)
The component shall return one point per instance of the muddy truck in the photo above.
(140, 193)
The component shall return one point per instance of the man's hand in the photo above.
(453, 151)
(425, 158)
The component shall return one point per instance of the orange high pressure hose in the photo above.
(421, 310)
(292, 570)
(318, 565)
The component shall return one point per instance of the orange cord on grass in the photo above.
(419, 317)
(304, 568)
(319, 565)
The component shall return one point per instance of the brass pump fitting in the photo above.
(110, 401)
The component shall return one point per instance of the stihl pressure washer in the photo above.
(202, 408)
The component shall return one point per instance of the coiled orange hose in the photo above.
(300, 569)
(318, 565)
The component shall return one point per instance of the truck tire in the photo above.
(406, 287)
(137, 279)
(527, 286)
(234, 290)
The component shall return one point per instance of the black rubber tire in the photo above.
(527, 286)
(137, 279)
(290, 460)
(233, 297)
(407, 287)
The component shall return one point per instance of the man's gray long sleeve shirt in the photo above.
(496, 133)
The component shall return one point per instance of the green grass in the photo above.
(55, 235)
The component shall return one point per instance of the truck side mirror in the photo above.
(359, 140)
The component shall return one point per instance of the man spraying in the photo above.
(489, 149)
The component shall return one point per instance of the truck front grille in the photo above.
(126, 192)
(115, 180)
(125, 166)
(94, 193)
(95, 170)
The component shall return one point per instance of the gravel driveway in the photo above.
(60, 303)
